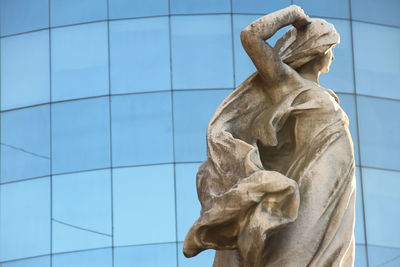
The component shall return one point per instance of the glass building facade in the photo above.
(104, 108)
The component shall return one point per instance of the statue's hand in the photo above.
(301, 19)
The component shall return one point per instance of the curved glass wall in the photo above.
(104, 109)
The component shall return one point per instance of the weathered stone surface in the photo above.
(278, 187)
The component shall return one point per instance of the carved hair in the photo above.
(297, 47)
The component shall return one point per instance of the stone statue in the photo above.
(278, 187)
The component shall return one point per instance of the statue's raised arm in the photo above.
(278, 186)
(268, 61)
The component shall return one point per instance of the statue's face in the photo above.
(326, 61)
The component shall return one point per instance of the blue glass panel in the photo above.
(379, 132)
(81, 135)
(25, 143)
(258, 6)
(163, 255)
(25, 219)
(34, 262)
(340, 76)
(360, 258)
(77, 11)
(244, 67)
(192, 112)
(383, 11)
(383, 256)
(202, 52)
(23, 15)
(142, 129)
(25, 78)
(129, 8)
(79, 61)
(140, 58)
(377, 73)
(347, 102)
(326, 8)
(359, 227)
(144, 205)
(205, 258)
(200, 6)
(91, 258)
(81, 211)
(187, 203)
(382, 212)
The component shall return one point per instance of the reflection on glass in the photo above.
(340, 76)
(25, 78)
(188, 205)
(34, 262)
(129, 9)
(197, 7)
(142, 129)
(162, 255)
(377, 74)
(348, 105)
(383, 256)
(80, 135)
(202, 52)
(77, 11)
(79, 61)
(81, 211)
(192, 112)
(23, 15)
(360, 257)
(379, 132)
(91, 258)
(244, 67)
(25, 143)
(382, 211)
(385, 12)
(140, 58)
(205, 258)
(144, 205)
(258, 6)
(327, 8)
(25, 219)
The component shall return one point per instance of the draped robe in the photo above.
(278, 185)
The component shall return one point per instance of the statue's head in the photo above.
(311, 43)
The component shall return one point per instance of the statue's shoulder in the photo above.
(326, 94)
(324, 98)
